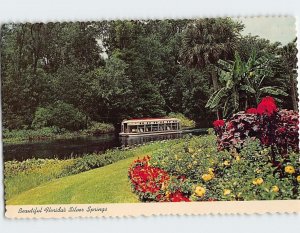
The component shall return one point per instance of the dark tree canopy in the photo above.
(70, 74)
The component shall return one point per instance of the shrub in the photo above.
(185, 122)
(61, 115)
(42, 117)
(21, 135)
(98, 128)
(95, 160)
(273, 127)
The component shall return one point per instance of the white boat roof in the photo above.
(150, 119)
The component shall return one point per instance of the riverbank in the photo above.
(46, 133)
(29, 174)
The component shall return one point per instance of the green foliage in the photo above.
(61, 115)
(112, 70)
(41, 118)
(95, 160)
(14, 136)
(203, 45)
(44, 133)
(244, 83)
(184, 121)
(21, 176)
(98, 128)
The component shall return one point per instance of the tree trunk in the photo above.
(214, 79)
(294, 93)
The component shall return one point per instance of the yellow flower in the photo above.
(289, 169)
(226, 192)
(207, 177)
(258, 181)
(190, 166)
(275, 189)
(211, 170)
(298, 179)
(195, 162)
(199, 191)
(168, 194)
(237, 158)
(226, 163)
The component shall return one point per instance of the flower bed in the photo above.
(151, 183)
(254, 156)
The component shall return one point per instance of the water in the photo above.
(68, 148)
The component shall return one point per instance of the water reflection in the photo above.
(68, 148)
(131, 141)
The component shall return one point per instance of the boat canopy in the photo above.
(150, 126)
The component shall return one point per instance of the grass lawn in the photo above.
(108, 184)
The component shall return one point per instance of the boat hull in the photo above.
(149, 134)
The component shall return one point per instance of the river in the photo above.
(74, 147)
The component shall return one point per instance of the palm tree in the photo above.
(205, 41)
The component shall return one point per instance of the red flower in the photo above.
(251, 111)
(267, 106)
(268, 99)
(218, 123)
(148, 182)
(178, 197)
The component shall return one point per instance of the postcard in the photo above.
(150, 117)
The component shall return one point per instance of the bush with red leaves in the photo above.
(273, 127)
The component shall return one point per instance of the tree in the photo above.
(289, 63)
(112, 90)
(243, 83)
(205, 41)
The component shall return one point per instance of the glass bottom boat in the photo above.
(150, 126)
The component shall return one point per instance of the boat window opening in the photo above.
(155, 126)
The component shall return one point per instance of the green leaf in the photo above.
(247, 88)
(215, 99)
(273, 91)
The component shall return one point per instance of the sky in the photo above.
(282, 29)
